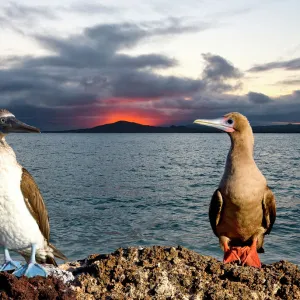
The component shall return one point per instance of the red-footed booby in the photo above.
(243, 208)
(24, 223)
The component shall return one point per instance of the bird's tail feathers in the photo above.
(51, 261)
(57, 253)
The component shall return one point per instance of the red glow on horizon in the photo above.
(135, 110)
(140, 118)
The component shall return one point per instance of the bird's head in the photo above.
(9, 123)
(234, 123)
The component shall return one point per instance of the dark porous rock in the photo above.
(178, 273)
(156, 273)
(50, 288)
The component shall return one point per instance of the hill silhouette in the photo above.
(131, 127)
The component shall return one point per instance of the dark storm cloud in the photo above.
(289, 65)
(206, 104)
(126, 35)
(150, 85)
(116, 36)
(219, 73)
(91, 58)
(18, 80)
(88, 75)
(218, 68)
(297, 93)
(97, 48)
(39, 89)
(258, 98)
(87, 69)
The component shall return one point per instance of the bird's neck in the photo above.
(6, 152)
(241, 152)
(3, 142)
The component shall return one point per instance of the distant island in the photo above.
(131, 127)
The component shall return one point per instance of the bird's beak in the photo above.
(217, 123)
(14, 125)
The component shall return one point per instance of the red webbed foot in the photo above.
(250, 256)
(246, 255)
(233, 254)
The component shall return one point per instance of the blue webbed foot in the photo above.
(31, 270)
(10, 265)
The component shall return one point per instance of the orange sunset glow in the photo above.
(140, 118)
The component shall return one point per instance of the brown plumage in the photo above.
(243, 208)
(35, 204)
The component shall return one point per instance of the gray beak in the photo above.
(14, 125)
(217, 123)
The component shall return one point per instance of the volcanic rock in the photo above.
(158, 273)
(50, 288)
(178, 273)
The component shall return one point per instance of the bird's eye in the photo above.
(230, 121)
(2, 120)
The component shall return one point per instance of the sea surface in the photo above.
(105, 191)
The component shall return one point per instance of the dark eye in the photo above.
(2, 120)
(230, 121)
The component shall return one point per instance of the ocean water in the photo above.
(105, 191)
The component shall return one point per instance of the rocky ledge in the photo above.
(156, 273)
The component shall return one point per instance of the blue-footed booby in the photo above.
(243, 209)
(24, 223)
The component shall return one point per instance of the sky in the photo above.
(76, 64)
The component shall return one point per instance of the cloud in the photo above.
(128, 34)
(21, 18)
(218, 72)
(289, 65)
(258, 98)
(98, 46)
(88, 80)
(91, 8)
(233, 12)
(150, 85)
(17, 11)
(20, 11)
(86, 74)
(289, 82)
(175, 26)
(218, 68)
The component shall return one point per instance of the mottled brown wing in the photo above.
(35, 203)
(269, 210)
(215, 209)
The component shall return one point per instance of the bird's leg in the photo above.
(32, 268)
(230, 254)
(250, 257)
(9, 264)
